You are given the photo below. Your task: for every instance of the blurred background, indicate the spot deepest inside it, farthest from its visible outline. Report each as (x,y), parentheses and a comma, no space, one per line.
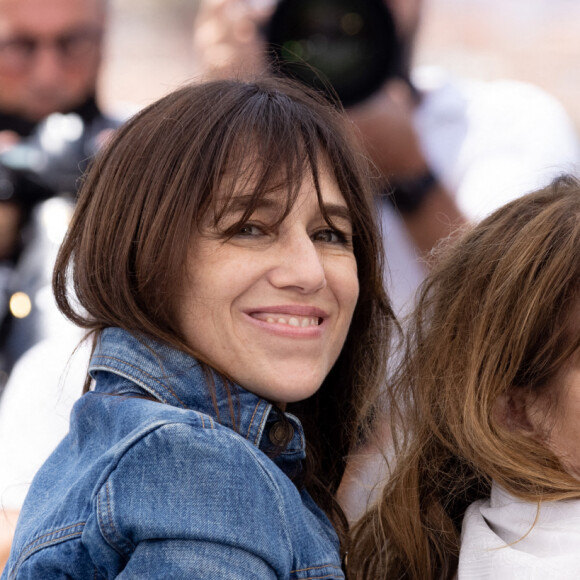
(530,40)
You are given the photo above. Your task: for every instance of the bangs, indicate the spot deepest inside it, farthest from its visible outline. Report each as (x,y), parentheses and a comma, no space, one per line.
(252,141)
(263,171)
(204,156)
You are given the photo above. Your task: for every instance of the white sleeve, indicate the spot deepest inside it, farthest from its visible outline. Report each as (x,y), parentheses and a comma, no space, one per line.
(34,411)
(491,142)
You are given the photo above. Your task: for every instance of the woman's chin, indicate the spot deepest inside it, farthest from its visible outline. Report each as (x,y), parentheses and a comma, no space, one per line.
(283,387)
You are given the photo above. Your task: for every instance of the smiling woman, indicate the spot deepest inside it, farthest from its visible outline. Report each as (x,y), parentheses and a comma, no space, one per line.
(225,258)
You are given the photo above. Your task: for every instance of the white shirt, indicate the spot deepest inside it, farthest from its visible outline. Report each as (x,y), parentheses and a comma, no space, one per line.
(488,143)
(502,539)
(35,409)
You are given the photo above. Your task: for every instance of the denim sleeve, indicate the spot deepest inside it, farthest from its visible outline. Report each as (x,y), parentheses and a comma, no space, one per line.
(196,561)
(197,503)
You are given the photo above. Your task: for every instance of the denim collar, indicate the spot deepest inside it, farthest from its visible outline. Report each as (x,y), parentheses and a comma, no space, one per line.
(175,378)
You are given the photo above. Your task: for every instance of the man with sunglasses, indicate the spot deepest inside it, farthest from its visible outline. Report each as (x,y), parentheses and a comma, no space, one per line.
(50,57)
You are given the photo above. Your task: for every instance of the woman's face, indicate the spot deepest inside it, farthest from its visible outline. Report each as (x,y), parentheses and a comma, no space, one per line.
(271,306)
(555,416)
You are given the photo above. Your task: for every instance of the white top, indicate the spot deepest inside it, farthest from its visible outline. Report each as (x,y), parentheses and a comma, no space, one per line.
(35,409)
(488,143)
(500,540)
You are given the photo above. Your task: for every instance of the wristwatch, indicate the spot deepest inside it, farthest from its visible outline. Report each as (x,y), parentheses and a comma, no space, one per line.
(407,195)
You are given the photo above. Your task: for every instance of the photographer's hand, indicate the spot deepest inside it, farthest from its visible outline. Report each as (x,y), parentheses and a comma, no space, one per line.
(8,139)
(385,126)
(227,39)
(385,123)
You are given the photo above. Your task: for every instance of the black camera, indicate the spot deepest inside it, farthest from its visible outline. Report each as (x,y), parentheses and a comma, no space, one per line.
(41,174)
(51,160)
(345,48)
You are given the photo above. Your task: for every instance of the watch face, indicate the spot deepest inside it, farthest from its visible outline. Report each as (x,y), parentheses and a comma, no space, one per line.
(408,195)
(346,48)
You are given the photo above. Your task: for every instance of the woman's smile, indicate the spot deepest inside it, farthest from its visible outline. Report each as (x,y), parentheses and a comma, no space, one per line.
(286,320)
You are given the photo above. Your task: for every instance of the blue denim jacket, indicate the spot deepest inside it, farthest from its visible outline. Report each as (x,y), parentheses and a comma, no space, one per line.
(165,488)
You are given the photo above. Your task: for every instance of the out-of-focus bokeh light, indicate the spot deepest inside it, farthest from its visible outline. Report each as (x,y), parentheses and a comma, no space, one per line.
(20,305)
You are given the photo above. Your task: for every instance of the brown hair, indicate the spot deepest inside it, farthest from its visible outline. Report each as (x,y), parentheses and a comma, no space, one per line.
(126,248)
(491,318)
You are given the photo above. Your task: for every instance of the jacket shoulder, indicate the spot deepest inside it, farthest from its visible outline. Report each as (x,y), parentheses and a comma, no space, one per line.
(198,482)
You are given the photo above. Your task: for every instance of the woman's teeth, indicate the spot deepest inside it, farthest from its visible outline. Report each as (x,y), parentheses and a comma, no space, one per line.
(299,321)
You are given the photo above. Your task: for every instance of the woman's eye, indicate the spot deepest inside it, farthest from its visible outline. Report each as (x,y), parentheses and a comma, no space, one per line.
(329,236)
(250,230)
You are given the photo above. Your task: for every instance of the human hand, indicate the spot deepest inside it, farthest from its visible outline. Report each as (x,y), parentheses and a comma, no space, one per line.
(387,133)
(7,140)
(227,39)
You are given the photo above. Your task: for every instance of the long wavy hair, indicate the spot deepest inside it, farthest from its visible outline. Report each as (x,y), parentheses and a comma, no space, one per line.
(124,256)
(493,318)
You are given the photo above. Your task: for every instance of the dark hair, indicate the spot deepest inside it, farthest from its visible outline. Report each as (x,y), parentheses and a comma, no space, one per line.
(155,181)
(493,318)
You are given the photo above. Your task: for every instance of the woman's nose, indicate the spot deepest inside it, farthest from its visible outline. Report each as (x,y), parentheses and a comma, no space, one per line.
(299,265)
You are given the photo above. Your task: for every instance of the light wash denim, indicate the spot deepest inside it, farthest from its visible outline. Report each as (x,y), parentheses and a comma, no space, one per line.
(152,482)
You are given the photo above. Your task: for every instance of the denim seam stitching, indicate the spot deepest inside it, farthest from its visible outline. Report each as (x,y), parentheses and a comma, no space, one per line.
(203,417)
(103,524)
(34,546)
(320,577)
(153,378)
(129,377)
(211,423)
(310,568)
(252,420)
(261,429)
(262,421)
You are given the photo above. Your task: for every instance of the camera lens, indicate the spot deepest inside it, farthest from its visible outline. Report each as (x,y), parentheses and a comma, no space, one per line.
(348,47)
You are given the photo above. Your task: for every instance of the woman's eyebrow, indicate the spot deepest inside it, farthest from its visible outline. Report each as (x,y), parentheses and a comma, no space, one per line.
(240,203)
(337,210)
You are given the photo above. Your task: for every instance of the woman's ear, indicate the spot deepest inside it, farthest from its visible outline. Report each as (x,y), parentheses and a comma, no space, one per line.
(516,410)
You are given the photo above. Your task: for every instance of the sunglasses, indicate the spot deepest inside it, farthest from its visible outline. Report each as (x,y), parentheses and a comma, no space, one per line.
(18,53)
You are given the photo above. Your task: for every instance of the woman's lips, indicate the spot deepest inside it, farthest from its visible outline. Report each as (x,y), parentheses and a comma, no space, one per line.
(290,319)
